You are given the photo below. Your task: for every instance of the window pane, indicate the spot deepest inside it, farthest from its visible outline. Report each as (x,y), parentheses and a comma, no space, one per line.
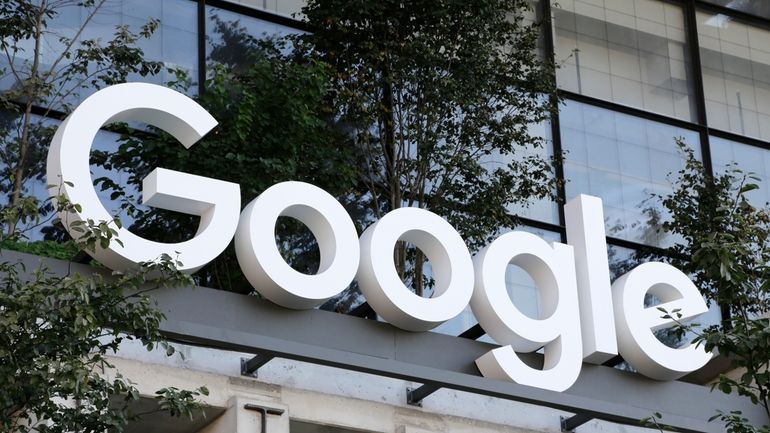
(228,35)
(755,7)
(292,8)
(622,260)
(632,52)
(174,42)
(36,183)
(736,75)
(624,160)
(750,159)
(545,210)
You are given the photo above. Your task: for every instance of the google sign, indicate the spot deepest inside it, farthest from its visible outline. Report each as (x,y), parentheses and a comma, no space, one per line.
(584,318)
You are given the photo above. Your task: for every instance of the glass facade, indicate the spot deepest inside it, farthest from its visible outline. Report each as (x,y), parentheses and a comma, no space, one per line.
(284,7)
(625,161)
(632,83)
(546,209)
(735,58)
(760,8)
(631,52)
(728,155)
(174,43)
(228,34)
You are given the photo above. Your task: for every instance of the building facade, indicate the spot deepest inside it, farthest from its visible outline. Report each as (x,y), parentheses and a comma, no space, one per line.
(635,76)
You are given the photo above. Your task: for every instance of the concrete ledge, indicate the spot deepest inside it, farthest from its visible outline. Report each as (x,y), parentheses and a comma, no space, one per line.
(230,321)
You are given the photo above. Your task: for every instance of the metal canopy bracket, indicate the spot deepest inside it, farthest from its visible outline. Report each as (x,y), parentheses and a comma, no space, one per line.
(415,396)
(575,421)
(249,367)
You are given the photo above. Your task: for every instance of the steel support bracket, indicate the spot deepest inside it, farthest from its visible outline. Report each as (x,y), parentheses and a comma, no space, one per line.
(249,367)
(573,422)
(415,396)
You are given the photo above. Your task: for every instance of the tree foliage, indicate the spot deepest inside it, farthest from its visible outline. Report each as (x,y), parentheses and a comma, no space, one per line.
(383,104)
(725,248)
(438,99)
(58,330)
(44,71)
(274,125)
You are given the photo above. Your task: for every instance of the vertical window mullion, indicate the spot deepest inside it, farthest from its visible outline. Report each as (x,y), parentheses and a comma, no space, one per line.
(550,55)
(201,46)
(700,97)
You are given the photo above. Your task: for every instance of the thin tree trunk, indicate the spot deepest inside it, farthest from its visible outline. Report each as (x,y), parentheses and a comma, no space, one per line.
(21,165)
(419,264)
(392,174)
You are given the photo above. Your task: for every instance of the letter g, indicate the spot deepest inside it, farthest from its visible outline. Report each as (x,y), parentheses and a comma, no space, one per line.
(216,202)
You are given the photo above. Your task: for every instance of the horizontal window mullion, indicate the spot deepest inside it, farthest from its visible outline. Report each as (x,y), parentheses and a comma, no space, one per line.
(614,106)
(757,20)
(259,14)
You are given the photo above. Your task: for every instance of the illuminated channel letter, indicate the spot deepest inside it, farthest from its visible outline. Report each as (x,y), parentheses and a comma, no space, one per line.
(215,201)
(636,323)
(552,267)
(449,258)
(585,233)
(262,262)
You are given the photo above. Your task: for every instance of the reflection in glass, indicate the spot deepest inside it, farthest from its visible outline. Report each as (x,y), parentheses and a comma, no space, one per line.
(755,7)
(230,37)
(545,209)
(736,75)
(631,52)
(622,260)
(174,42)
(727,155)
(624,160)
(36,185)
(292,8)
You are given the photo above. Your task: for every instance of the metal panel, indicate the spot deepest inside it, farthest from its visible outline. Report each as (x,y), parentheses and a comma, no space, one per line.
(246,323)
(231,321)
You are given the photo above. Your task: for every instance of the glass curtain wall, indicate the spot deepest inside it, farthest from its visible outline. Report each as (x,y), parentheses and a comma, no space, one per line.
(735,59)
(174,43)
(290,8)
(631,52)
(629,78)
(760,8)
(729,155)
(626,161)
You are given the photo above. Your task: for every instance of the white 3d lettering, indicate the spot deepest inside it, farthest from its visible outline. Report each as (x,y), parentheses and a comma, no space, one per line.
(583,318)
